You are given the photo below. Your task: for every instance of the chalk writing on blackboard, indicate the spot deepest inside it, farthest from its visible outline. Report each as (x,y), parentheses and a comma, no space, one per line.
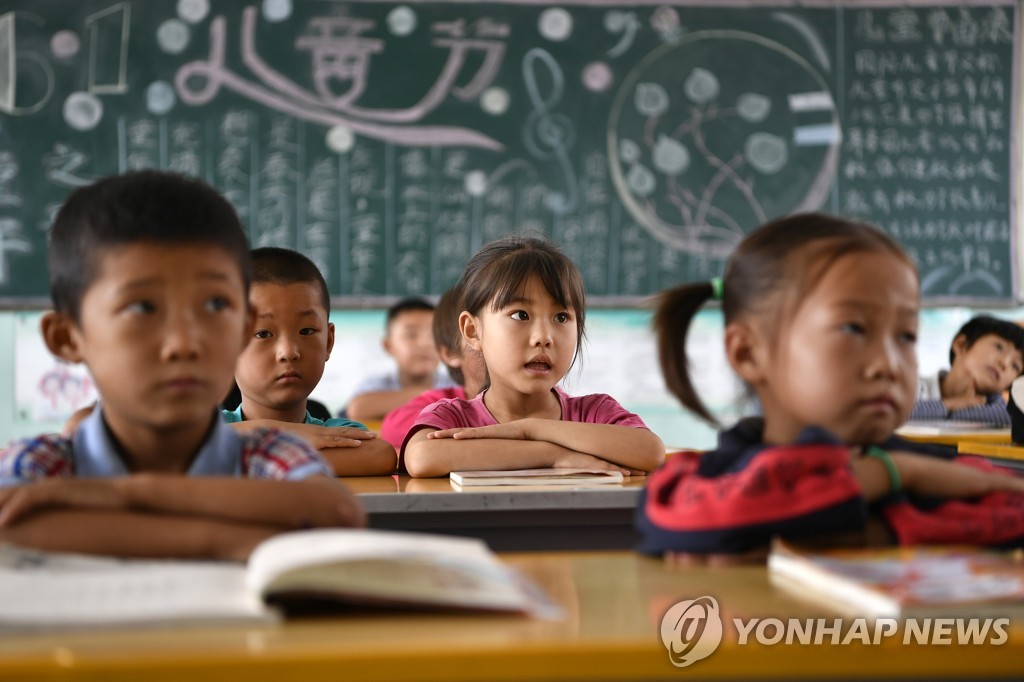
(388,141)
(679,116)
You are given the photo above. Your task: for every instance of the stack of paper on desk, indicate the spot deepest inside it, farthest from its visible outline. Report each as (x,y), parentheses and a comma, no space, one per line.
(940,427)
(524,477)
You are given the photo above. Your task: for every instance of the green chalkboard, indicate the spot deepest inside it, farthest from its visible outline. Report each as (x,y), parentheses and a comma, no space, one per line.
(388,140)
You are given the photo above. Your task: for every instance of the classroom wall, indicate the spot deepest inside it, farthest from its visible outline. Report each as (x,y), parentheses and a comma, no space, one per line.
(619,359)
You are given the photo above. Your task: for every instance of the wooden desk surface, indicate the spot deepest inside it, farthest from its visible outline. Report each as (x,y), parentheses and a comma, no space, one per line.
(403,493)
(998,436)
(613,605)
(508,519)
(997,450)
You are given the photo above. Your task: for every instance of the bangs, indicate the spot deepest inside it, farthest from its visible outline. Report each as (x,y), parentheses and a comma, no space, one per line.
(561,282)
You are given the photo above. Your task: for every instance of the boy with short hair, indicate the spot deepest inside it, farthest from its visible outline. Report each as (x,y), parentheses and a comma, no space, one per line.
(465,366)
(149,274)
(986,355)
(409,340)
(285,359)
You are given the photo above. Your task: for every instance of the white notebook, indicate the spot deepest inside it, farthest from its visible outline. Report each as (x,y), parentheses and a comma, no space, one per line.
(520,477)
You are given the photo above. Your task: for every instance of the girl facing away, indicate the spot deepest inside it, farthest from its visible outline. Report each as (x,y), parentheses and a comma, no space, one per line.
(524,312)
(821,319)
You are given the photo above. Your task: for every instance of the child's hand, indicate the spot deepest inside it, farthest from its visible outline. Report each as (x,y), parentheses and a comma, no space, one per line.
(320,437)
(514,430)
(323,437)
(85,493)
(939,478)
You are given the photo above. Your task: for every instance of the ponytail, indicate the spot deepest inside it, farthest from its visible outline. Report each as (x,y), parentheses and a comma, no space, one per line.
(672,317)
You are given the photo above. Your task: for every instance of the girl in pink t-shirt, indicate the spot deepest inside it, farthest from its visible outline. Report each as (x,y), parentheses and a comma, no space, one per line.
(523,310)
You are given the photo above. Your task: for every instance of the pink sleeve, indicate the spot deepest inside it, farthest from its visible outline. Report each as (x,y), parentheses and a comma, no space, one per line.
(604,409)
(398,422)
(444,414)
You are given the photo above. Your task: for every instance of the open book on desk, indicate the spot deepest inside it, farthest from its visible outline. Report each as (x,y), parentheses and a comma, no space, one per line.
(304,569)
(902,582)
(536,477)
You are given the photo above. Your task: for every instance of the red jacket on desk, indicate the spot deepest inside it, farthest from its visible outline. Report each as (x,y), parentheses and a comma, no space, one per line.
(737,497)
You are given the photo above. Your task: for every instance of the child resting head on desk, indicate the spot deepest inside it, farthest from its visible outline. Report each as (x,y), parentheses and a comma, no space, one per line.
(150,275)
(285,359)
(821,318)
(465,366)
(986,355)
(524,310)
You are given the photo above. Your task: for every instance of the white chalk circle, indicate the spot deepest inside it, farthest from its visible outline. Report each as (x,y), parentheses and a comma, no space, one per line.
(340,139)
(701,86)
(629,151)
(277,10)
(495,101)
(766,152)
(650,99)
(401,21)
(753,107)
(476,183)
(172,36)
(665,21)
(65,44)
(641,180)
(597,77)
(193,11)
(160,97)
(82,110)
(670,156)
(555,24)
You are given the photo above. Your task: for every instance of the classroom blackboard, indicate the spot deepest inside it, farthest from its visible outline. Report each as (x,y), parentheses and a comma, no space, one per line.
(390,140)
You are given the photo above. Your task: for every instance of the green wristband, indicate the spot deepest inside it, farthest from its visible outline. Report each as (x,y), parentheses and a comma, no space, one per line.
(895,483)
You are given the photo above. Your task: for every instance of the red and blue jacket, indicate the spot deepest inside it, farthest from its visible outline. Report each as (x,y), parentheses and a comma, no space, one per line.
(737,497)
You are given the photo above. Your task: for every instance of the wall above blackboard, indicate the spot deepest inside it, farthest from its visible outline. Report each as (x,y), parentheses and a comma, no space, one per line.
(389,140)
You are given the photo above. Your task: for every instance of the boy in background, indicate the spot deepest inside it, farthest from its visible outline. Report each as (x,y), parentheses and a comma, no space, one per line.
(465,367)
(285,359)
(410,341)
(986,356)
(150,274)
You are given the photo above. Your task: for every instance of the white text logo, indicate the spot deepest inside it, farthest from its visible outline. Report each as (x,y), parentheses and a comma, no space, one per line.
(691,630)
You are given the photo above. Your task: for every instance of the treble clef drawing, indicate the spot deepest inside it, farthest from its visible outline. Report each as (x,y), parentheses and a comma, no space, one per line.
(548,134)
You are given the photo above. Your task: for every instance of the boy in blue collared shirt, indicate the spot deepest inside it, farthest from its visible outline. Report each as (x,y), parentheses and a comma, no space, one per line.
(149,274)
(285,359)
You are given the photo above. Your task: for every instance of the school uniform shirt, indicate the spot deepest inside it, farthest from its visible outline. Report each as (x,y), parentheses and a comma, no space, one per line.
(457,413)
(235,416)
(737,497)
(398,421)
(929,405)
(91,453)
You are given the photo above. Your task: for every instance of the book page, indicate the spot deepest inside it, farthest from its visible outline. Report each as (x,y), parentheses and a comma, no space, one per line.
(365,566)
(54,590)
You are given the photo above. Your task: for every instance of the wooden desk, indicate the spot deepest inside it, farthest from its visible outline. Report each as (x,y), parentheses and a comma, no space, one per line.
(999,436)
(610,631)
(1004,454)
(555,518)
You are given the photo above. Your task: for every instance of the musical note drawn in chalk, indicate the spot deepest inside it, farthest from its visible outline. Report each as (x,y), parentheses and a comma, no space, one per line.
(548,134)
